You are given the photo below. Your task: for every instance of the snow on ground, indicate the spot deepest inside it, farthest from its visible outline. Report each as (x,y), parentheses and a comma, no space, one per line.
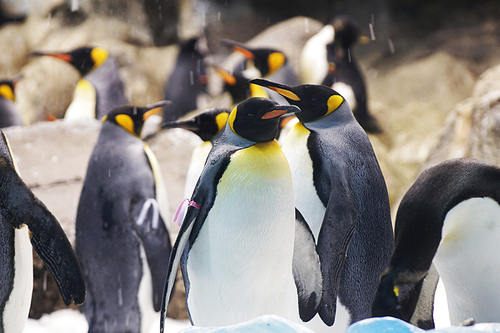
(72,321)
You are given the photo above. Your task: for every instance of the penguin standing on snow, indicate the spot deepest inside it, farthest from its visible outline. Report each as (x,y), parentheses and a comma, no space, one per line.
(121,238)
(341,192)
(207,125)
(100,89)
(9,113)
(236,242)
(450,217)
(23,218)
(187,84)
(344,74)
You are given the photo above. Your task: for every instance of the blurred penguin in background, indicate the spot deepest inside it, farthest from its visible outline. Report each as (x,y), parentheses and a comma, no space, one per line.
(187,85)
(9,112)
(100,89)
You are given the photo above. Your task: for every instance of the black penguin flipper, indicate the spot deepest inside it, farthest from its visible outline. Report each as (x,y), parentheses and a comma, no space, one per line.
(155,240)
(334,238)
(47,236)
(175,257)
(306,269)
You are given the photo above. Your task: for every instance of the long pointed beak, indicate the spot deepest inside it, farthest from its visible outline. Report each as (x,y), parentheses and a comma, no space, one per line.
(63,56)
(155,108)
(189,125)
(282,89)
(239,47)
(280,110)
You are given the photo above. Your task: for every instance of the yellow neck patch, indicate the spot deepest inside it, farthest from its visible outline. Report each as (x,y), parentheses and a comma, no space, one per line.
(276,60)
(6,92)
(221,120)
(126,122)
(99,56)
(333,103)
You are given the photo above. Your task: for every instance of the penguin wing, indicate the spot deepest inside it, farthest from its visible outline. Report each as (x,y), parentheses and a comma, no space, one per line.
(306,269)
(334,237)
(155,240)
(20,206)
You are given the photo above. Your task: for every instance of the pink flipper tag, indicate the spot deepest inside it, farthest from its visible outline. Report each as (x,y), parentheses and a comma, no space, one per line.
(180,213)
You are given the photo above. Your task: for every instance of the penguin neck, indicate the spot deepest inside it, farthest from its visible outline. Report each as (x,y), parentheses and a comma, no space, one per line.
(229,137)
(116,131)
(341,116)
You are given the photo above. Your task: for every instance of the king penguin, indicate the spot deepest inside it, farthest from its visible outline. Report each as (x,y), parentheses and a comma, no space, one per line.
(236,242)
(341,192)
(344,74)
(23,218)
(100,89)
(187,85)
(207,125)
(121,239)
(450,219)
(9,113)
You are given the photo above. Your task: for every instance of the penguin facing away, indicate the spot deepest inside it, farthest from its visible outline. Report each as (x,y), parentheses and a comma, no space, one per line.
(340,190)
(9,113)
(24,219)
(344,74)
(313,61)
(188,82)
(207,125)
(121,238)
(450,217)
(100,89)
(236,242)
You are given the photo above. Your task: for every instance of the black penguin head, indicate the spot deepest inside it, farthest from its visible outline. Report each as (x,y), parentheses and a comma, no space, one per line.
(256,119)
(132,118)
(314,101)
(347,31)
(206,125)
(266,60)
(84,59)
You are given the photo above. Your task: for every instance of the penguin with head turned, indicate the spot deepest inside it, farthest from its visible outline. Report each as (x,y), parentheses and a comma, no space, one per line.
(207,125)
(100,89)
(121,239)
(9,113)
(449,218)
(24,219)
(341,192)
(187,84)
(236,242)
(344,74)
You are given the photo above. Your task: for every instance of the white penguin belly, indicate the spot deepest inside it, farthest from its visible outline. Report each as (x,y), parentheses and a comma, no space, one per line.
(17,307)
(145,296)
(198,158)
(306,196)
(467,261)
(240,265)
(84,102)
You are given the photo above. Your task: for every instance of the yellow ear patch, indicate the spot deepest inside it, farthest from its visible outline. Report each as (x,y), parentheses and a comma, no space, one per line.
(285,93)
(258,91)
(396,291)
(6,92)
(276,60)
(333,103)
(99,56)
(221,120)
(231,118)
(126,122)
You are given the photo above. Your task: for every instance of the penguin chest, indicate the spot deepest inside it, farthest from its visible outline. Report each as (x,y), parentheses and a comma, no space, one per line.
(84,102)
(306,197)
(467,262)
(240,265)
(17,307)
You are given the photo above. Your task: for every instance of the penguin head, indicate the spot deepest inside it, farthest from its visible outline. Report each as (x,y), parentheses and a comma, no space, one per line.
(84,59)
(256,119)
(132,118)
(206,125)
(314,101)
(266,60)
(347,31)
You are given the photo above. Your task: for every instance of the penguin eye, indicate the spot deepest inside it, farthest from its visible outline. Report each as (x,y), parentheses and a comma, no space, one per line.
(251,115)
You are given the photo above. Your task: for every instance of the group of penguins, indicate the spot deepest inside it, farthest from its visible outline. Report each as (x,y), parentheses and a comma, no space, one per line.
(300,229)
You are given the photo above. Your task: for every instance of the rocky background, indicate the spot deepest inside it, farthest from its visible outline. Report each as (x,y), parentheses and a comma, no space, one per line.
(432,71)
